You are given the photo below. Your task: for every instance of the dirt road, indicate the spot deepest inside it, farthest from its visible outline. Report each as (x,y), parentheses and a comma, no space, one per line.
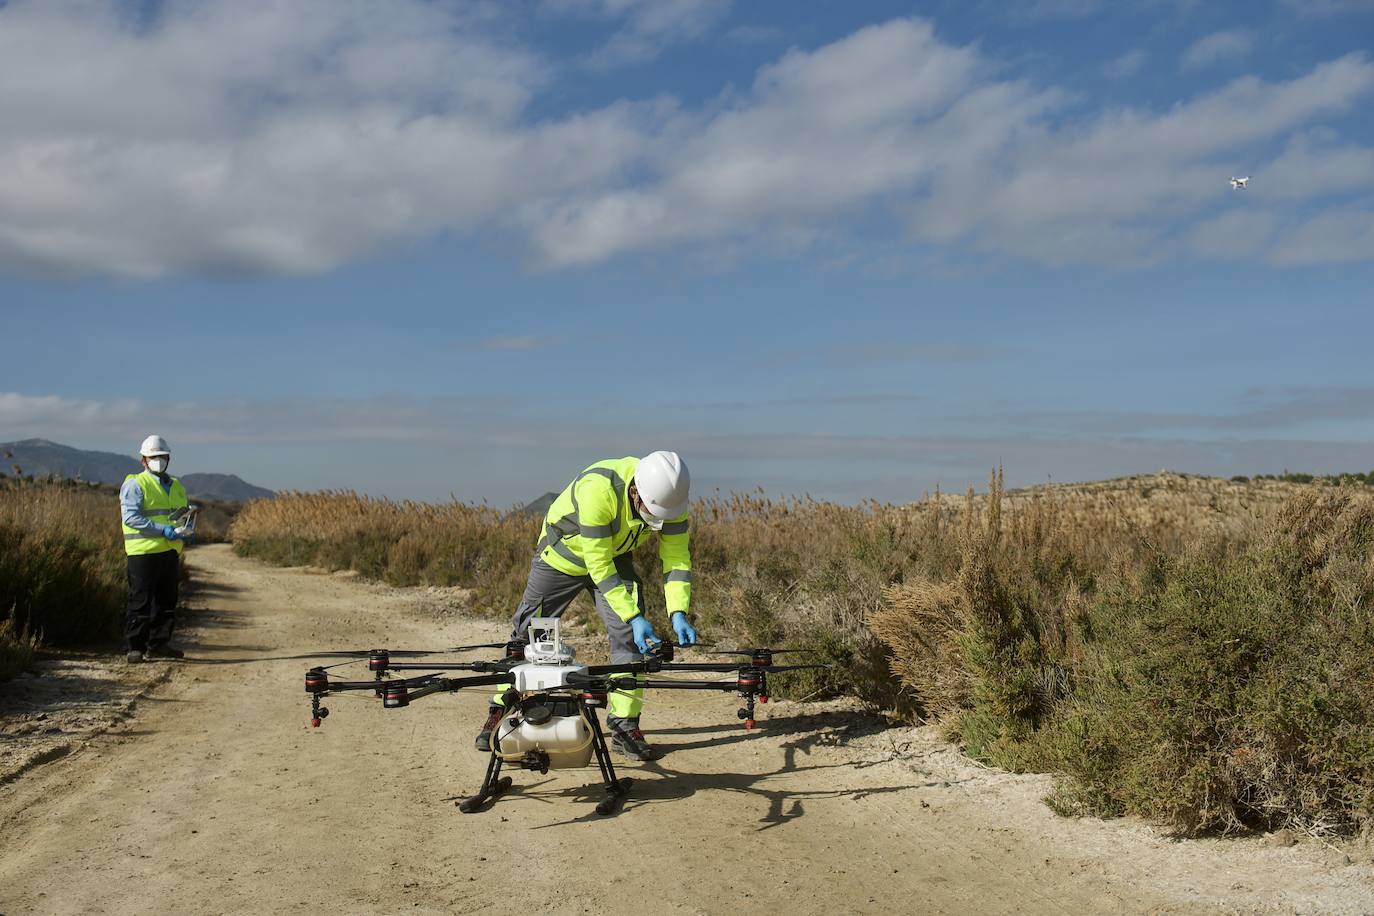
(214,796)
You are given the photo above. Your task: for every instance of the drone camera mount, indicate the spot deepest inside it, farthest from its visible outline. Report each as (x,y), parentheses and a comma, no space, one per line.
(546,643)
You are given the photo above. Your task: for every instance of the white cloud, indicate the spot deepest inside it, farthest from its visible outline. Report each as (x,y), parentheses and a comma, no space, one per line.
(276,422)
(646,26)
(1314,165)
(1115,188)
(1341,234)
(821,132)
(1127,64)
(270,135)
(336,443)
(290,136)
(1242,233)
(1218,47)
(522,343)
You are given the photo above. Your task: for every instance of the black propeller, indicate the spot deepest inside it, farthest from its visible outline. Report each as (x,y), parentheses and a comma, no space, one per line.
(762,658)
(395,653)
(756,651)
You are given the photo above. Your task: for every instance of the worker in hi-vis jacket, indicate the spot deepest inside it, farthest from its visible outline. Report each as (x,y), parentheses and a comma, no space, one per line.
(585,545)
(153,546)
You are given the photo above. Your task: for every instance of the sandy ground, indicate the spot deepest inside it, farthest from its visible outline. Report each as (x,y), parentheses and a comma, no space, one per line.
(198,787)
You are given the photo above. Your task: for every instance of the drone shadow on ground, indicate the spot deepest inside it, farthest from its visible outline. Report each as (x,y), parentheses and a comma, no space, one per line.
(784,805)
(835,727)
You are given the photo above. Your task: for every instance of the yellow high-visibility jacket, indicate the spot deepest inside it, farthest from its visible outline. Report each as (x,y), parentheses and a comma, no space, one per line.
(593,521)
(158,506)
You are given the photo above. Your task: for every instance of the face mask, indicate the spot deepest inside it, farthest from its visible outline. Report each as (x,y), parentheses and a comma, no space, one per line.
(649,520)
(157,465)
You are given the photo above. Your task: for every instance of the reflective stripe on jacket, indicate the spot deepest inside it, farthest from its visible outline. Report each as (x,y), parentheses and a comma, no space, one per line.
(158,506)
(593,521)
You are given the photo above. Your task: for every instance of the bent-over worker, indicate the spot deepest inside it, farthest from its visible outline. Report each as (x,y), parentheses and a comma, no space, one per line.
(588,536)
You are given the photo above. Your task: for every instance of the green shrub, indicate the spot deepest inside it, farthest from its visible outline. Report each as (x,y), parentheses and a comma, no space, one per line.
(1222,689)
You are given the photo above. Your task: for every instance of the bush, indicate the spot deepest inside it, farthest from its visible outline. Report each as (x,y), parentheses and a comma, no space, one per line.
(62,569)
(1223,688)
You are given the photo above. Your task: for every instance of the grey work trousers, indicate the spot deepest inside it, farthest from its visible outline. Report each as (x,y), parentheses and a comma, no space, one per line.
(549,591)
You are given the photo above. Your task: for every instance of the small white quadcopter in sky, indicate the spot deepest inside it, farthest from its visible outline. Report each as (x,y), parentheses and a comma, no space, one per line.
(1239,183)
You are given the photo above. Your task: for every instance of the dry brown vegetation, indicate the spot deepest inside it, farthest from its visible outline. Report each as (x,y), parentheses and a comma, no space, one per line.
(1209,671)
(62,567)
(1184,648)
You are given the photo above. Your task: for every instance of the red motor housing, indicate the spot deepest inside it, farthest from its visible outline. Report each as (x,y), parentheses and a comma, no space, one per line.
(395,696)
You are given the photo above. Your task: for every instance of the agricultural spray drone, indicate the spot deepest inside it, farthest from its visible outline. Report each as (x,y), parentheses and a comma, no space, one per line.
(551,700)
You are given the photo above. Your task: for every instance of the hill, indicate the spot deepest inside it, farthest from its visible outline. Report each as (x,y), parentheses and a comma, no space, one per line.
(539,506)
(42,458)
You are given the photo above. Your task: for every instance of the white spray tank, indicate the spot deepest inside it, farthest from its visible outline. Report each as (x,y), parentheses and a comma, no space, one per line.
(556,726)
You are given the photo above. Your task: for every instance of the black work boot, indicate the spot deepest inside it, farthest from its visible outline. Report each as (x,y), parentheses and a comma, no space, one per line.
(164,651)
(483,741)
(631,743)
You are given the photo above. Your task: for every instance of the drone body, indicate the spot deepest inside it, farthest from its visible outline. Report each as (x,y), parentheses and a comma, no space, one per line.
(550,700)
(1239,184)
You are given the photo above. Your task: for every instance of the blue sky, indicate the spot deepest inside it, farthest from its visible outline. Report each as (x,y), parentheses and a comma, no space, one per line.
(430,247)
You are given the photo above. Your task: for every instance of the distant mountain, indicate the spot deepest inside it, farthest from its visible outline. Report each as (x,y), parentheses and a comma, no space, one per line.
(222,486)
(541,505)
(41,458)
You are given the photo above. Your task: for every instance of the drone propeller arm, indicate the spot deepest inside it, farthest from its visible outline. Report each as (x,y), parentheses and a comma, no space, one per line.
(447,666)
(318,682)
(454,684)
(333,686)
(485,680)
(648,666)
(669,684)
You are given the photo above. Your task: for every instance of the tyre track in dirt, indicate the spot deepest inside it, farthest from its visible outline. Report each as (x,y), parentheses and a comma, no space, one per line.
(216,796)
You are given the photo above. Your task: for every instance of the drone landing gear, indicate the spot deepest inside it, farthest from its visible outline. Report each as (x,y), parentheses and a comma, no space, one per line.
(616,788)
(493,786)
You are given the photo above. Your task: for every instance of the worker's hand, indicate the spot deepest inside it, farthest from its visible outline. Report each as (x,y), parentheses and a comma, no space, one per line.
(170,533)
(686,633)
(644,633)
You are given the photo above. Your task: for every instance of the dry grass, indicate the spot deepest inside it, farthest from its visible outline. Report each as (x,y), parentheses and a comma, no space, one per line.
(61,561)
(1188,649)
(768,571)
(403,543)
(1204,670)
(62,566)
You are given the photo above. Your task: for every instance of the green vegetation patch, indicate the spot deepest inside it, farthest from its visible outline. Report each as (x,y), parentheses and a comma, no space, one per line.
(1221,689)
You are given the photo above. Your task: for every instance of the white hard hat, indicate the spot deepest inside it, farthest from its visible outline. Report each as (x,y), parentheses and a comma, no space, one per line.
(153,446)
(662,481)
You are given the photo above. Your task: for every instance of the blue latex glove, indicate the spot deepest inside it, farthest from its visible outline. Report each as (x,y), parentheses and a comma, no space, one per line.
(170,533)
(644,632)
(686,633)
